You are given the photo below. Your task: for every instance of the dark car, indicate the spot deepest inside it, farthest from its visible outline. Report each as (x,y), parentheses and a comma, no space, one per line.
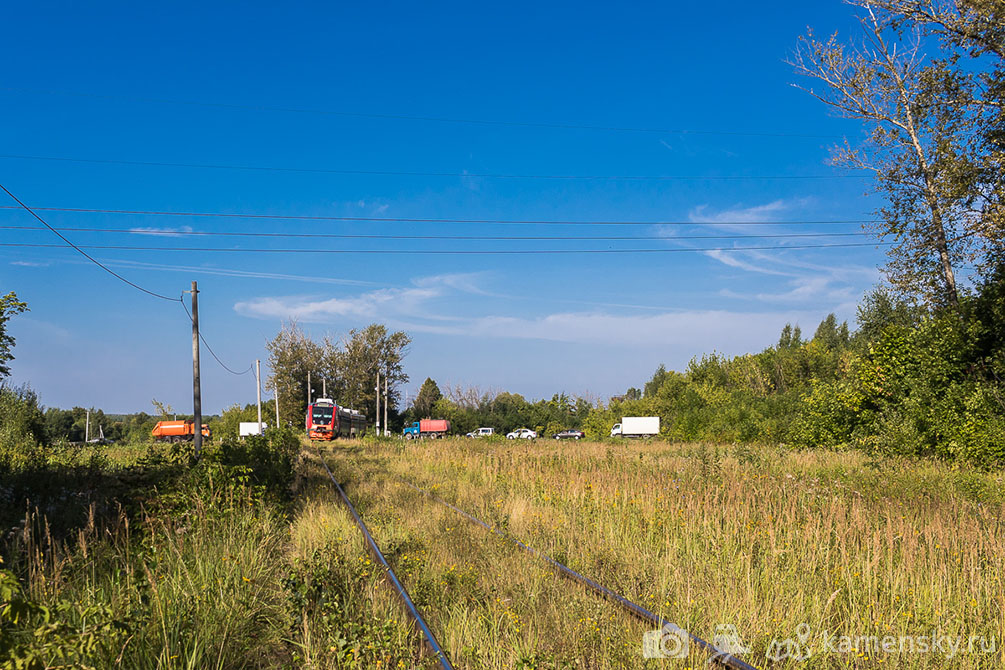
(570,435)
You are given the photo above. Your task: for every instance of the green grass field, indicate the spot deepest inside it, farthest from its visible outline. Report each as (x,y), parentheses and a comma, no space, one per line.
(233,564)
(759,538)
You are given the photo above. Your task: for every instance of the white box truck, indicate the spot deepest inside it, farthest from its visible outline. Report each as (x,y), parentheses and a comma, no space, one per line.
(637,426)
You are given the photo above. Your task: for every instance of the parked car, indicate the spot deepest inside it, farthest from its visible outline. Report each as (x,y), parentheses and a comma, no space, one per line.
(482,432)
(522,434)
(570,434)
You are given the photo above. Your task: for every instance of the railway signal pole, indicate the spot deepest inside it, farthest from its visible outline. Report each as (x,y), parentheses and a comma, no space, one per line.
(196,380)
(276,389)
(258,390)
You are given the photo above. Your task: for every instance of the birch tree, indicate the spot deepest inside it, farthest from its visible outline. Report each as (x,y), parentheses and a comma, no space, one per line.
(928,142)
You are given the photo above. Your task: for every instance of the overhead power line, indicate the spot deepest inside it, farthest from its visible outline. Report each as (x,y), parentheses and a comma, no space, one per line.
(398,219)
(419,173)
(414,117)
(210,349)
(136,286)
(499,238)
(82,252)
(452,251)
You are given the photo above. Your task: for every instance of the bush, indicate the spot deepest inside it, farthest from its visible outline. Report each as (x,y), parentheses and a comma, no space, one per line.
(269,458)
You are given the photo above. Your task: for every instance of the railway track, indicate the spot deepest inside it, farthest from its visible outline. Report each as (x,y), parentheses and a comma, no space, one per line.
(717,656)
(429,641)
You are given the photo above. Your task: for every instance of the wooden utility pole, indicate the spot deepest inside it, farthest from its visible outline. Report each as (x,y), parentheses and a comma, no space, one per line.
(196,381)
(87,427)
(276,389)
(385,404)
(258,390)
(377,418)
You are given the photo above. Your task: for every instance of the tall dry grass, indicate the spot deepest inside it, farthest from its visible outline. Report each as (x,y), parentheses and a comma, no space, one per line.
(759,538)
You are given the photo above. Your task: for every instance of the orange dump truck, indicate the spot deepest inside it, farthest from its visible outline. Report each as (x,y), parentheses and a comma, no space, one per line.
(177,431)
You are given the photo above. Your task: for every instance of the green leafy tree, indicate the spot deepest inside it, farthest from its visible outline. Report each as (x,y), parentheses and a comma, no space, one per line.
(363,354)
(969,75)
(428,394)
(164,410)
(924,148)
(879,309)
(22,422)
(654,384)
(228,423)
(291,355)
(785,339)
(830,334)
(9,306)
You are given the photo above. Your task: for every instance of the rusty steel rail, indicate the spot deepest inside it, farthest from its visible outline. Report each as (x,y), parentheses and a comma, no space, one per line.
(716,655)
(428,640)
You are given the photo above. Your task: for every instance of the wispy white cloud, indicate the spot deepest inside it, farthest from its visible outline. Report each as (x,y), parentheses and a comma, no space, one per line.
(465,282)
(752,214)
(698,330)
(734,259)
(162,232)
(845,271)
(32,264)
(806,282)
(421,308)
(407,301)
(819,290)
(368,305)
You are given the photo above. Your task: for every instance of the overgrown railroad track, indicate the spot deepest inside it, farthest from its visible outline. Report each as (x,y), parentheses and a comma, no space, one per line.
(717,656)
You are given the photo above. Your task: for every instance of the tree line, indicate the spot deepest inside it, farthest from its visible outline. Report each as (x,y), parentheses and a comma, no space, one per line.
(346,368)
(468,409)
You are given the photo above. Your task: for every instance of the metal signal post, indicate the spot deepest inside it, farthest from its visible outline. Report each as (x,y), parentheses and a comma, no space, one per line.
(258,390)
(276,389)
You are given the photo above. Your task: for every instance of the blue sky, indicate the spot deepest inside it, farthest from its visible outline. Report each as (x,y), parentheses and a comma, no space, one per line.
(323,87)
